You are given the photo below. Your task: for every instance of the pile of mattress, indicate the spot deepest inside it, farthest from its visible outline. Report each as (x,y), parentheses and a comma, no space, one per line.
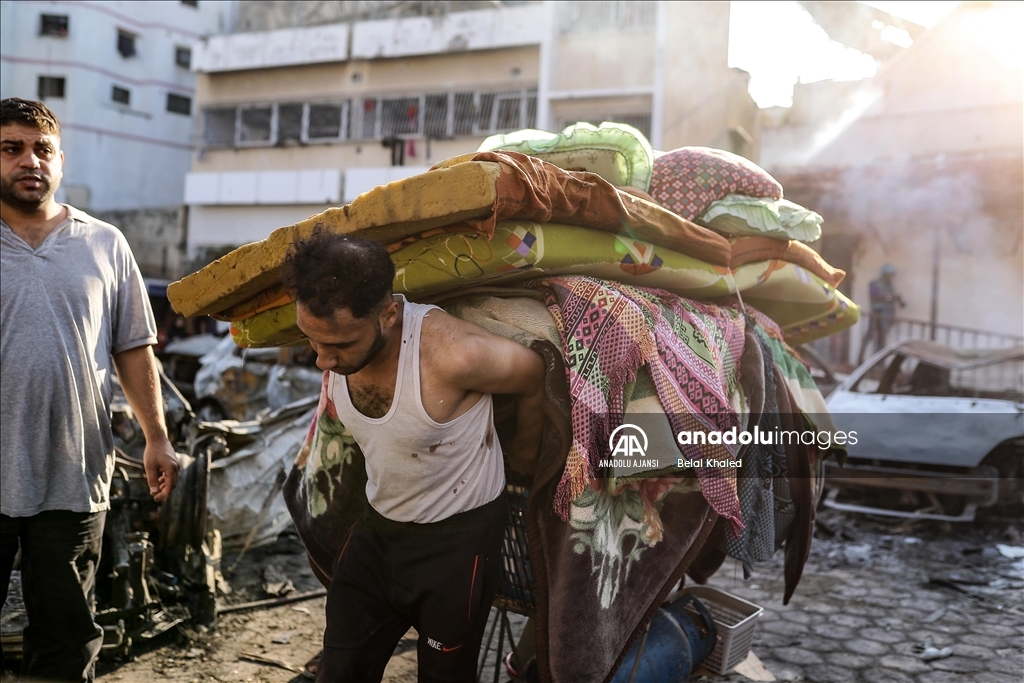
(700,223)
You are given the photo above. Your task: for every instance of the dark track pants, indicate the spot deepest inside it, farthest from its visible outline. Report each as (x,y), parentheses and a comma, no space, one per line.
(60,551)
(440,578)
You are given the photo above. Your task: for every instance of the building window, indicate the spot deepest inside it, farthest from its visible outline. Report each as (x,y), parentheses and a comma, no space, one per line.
(53,25)
(289,123)
(179,104)
(255,126)
(399,116)
(464,116)
(51,87)
(219,127)
(438,115)
(121,95)
(190,3)
(126,44)
(183,57)
(327,122)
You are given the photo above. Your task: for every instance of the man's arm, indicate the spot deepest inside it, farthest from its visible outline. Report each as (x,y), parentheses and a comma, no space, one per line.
(140,381)
(491,364)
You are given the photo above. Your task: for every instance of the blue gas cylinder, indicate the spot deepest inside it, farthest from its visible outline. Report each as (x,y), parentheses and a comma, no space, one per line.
(675,642)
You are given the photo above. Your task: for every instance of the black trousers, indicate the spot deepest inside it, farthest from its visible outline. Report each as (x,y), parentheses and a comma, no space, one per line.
(60,551)
(439,578)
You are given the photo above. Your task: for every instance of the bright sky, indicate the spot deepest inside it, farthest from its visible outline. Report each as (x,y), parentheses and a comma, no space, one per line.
(780,45)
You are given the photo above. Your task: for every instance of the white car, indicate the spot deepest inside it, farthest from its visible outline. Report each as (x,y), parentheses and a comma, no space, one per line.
(935,424)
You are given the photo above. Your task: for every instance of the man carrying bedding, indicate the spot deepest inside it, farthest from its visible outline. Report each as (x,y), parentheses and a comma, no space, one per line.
(73,308)
(413,386)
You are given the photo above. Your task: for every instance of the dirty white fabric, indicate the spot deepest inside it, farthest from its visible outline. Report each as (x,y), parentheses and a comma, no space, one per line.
(65,307)
(419,470)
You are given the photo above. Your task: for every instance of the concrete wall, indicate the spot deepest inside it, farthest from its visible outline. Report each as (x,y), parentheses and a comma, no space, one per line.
(340,79)
(591,67)
(969,206)
(704,98)
(118,156)
(604,61)
(156,236)
(213,226)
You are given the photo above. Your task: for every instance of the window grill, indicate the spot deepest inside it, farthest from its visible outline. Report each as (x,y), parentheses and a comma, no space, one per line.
(50,86)
(219,127)
(399,116)
(179,104)
(255,126)
(126,44)
(289,123)
(327,122)
(121,95)
(368,129)
(436,115)
(464,114)
(372,117)
(183,57)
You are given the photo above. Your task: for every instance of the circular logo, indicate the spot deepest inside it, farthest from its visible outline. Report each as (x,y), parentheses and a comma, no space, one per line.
(627,442)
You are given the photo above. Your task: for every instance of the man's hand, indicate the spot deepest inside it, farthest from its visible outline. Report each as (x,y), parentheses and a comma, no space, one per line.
(161,468)
(140,381)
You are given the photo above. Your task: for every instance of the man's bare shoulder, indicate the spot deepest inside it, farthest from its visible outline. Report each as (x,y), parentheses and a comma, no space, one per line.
(445,334)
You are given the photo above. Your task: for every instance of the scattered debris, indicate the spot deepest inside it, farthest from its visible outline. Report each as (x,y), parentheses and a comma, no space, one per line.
(283,638)
(275,582)
(932,653)
(273,602)
(304,610)
(279,663)
(968,579)
(753,669)
(934,616)
(1010,551)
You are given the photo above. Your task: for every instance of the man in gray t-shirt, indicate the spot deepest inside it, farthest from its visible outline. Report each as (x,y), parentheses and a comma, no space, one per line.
(73,310)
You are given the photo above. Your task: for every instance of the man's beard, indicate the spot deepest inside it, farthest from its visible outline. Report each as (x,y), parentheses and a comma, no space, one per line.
(379,342)
(16,198)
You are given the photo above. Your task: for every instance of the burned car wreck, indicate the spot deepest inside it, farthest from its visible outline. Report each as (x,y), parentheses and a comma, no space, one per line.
(940,432)
(160,564)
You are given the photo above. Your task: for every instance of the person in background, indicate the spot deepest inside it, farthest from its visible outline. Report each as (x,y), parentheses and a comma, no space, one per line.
(73,309)
(884,300)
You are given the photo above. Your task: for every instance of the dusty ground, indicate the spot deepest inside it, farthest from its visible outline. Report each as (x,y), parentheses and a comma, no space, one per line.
(873,592)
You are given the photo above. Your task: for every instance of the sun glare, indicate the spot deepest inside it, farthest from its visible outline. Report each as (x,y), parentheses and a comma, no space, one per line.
(780,45)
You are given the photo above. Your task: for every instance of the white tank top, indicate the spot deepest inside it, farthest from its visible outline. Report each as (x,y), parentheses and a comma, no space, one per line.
(419,470)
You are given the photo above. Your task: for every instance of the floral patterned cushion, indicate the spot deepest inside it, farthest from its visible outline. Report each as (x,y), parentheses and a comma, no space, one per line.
(687,180)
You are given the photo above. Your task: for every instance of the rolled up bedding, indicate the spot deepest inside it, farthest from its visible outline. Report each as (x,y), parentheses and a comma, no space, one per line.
(477,195)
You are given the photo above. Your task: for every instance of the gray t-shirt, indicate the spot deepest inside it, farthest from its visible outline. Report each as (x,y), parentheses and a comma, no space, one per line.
(65,307)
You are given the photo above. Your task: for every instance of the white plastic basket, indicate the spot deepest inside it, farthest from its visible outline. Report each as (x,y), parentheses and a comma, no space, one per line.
(735,619)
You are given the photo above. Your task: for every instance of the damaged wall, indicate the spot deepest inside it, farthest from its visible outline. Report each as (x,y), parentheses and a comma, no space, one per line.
(921,162)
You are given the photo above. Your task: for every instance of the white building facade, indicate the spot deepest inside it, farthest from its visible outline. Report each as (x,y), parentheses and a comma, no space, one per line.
(119,77)
(294,119)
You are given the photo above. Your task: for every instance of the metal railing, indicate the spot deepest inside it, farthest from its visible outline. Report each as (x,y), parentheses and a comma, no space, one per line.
(844,349)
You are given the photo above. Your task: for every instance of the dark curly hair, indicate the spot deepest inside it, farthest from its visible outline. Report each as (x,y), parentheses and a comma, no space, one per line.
(15,111)
(332,272)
